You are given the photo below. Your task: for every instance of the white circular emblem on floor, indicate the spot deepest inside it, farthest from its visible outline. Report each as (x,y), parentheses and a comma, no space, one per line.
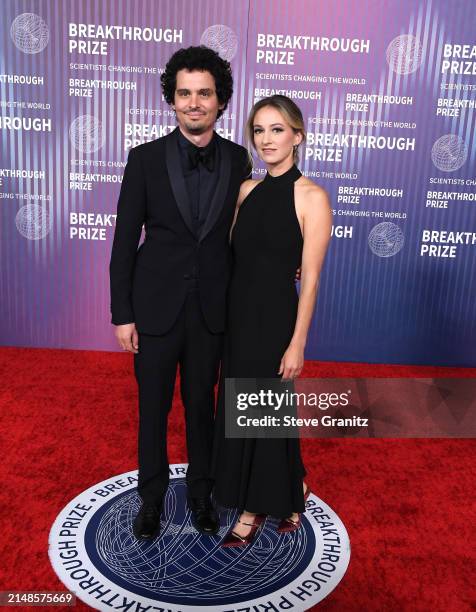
(95,554)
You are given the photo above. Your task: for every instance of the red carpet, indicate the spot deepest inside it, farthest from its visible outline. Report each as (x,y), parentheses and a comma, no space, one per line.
(69,420)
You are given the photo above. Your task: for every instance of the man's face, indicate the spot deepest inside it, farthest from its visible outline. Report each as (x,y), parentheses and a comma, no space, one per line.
(195,101)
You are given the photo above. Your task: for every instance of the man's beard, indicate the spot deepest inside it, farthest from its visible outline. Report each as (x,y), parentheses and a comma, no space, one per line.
(194,128)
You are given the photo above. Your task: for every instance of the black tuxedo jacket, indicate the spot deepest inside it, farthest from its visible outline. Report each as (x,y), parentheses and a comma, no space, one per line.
(149,285)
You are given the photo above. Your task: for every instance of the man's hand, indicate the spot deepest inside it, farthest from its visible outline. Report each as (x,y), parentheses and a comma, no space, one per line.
(128,337)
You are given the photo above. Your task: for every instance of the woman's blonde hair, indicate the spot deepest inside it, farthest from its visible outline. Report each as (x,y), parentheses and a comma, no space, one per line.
(288,109)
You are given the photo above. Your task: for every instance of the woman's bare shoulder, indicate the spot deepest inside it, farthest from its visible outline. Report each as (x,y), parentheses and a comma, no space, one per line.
(246,188)
(309,191)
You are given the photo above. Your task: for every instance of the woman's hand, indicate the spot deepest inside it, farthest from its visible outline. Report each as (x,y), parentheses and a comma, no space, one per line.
(292,362)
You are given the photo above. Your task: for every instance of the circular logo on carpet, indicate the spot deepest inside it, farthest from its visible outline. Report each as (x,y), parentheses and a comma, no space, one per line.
(95,554)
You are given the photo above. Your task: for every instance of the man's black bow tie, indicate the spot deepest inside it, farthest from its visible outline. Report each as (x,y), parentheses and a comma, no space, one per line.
(203,156)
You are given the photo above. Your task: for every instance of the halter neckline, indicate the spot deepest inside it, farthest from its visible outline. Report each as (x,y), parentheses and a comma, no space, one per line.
(290,175)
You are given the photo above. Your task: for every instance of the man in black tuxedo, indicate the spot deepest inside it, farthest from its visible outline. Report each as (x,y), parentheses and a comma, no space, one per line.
(168,297)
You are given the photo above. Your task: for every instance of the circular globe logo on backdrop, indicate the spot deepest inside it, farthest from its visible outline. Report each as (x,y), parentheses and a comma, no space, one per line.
(86,134)
(404,54)
(95,554)
(221,39)
(386,239)
(449,152)
(29,33)
(33,221)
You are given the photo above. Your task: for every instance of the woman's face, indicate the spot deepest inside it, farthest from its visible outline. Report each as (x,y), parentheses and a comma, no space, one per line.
(274,138)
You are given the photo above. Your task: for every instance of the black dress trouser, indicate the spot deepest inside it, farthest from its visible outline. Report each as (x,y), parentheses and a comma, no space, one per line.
(190,344)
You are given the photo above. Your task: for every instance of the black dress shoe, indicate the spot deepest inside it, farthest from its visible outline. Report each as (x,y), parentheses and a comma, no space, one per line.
(146,524)
(204,516)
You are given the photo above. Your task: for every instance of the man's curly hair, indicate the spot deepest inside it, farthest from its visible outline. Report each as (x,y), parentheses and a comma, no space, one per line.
(198,58)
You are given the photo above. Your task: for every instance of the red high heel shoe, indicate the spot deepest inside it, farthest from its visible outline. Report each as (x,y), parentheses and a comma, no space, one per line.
(288,524)
(234,539)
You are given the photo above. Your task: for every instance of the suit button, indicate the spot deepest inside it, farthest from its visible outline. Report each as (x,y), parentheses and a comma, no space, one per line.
(186,276)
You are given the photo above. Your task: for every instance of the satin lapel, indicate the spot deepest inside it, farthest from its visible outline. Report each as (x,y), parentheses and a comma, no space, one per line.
(174,169)
(218,199)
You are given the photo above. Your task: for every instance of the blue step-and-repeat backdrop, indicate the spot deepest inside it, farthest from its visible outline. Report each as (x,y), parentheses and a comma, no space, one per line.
(388,92)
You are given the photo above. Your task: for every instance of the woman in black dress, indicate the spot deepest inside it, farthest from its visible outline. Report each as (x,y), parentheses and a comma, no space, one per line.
(282,223)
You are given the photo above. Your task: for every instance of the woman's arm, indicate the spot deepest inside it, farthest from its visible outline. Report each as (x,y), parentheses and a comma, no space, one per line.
(313,208)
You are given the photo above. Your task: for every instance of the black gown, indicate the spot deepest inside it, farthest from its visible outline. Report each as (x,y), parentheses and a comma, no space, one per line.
(261,475)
